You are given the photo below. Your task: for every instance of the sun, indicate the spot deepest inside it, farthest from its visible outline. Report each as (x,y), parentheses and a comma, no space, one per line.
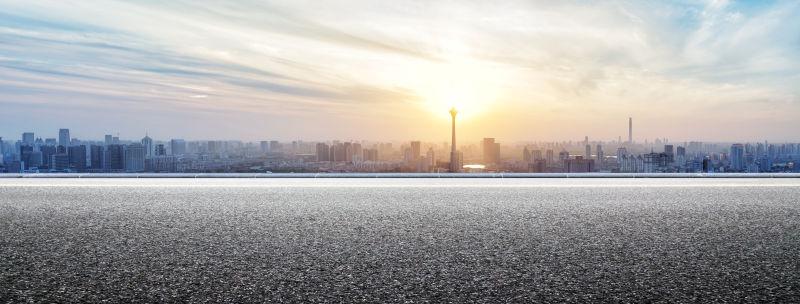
(469,87)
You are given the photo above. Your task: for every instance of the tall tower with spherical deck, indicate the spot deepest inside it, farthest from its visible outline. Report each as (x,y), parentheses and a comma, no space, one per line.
(453,154)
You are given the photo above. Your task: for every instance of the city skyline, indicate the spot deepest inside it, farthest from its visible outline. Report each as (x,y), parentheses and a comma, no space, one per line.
(685,70)
(67,154)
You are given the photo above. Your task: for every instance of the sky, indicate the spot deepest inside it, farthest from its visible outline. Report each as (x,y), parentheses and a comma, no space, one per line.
(390,70)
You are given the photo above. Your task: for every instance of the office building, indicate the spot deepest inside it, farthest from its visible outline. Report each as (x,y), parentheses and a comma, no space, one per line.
(63,137)
(134,158)
(491,151)
(77,158)
(47,155)
(599,158)
(177,147)
(737,163)
(630,130)
(579,164)
(160,150)
(323,151)
(147,143)
(115,158)
(60,162)
(97,157)
(25,152)
(27,138)
(526,155)
(416,150)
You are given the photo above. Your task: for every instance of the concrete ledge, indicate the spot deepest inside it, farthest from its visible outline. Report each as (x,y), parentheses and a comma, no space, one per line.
(399,175)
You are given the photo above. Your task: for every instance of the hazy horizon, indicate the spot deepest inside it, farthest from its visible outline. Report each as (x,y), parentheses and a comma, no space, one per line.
(722,71)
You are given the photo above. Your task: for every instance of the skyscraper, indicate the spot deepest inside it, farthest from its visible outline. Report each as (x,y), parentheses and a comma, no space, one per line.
(77,157)
(416,150)
(737,157)
(177,146)
(27,138)
(109,140)
(160,150)
(47,155)
(25,152)
(491,151)
(63,137)
(670,152)
(630,130)
(588,152)
(134,158)
(323,152)
(526,155)
(115,158)
(98,157)
(147,142)
(430,157)
(455,159)
(600,156)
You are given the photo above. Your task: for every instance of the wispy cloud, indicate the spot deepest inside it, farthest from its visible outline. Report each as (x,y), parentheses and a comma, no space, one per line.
(326,68)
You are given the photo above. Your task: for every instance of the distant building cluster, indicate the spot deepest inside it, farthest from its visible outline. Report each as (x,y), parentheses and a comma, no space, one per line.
(33,154)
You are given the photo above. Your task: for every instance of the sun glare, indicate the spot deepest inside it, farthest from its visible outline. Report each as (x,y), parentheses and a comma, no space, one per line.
(468,86)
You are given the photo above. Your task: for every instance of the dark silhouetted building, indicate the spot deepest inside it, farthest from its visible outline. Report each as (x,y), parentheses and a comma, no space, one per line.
(77,158)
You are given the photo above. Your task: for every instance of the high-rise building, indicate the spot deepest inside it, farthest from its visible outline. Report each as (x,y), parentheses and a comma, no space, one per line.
(588,154)
(526,155)
(536,155)
(371,154)
(147,143)
(430,157)
(98,157)
(77,157)
(134,158)
(681,151)
(161,163)
(109,140)
(177,146)
(600,156)
(670,151)
(63,137)
(630,130)
(160,150)
(25,152)
(416,150)
(348,152)
(264,146)
(47,155)
(115,157)
(60,162)
(579,164)
(491,151)
(323,152)
(563,155)
(358,152)
(27,138)
(737,157)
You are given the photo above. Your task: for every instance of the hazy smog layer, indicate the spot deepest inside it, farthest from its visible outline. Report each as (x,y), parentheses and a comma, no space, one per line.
(400,240)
